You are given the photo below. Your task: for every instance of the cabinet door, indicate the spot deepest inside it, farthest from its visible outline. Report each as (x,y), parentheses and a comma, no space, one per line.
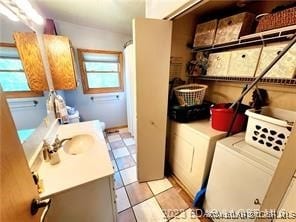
(152,47)
(60,61)
(28,49)
(182,155)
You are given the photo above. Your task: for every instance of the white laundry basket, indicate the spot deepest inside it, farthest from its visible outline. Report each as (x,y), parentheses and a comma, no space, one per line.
(269,129)
(190,94)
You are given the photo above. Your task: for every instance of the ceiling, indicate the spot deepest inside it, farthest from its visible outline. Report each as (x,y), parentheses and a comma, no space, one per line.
(112,15)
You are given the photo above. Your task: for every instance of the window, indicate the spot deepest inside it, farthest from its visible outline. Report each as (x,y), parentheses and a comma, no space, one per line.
(101,71)
(12,76)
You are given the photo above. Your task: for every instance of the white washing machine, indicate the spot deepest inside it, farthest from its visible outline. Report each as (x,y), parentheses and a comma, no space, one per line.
(239,178)
(288,204)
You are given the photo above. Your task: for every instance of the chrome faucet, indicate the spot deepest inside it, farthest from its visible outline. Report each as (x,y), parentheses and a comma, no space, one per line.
(59,143)
(50,153)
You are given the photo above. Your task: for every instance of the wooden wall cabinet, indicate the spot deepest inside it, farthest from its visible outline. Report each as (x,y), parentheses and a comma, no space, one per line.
(28,49)
(191,151)
(60,60)
(61,63)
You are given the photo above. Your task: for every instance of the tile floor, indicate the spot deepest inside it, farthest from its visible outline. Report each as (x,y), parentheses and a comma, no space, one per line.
(154,201)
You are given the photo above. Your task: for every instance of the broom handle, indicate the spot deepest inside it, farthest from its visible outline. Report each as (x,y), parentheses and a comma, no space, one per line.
(279,56)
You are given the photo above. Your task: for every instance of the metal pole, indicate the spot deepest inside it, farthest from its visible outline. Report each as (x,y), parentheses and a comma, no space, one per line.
(282,53)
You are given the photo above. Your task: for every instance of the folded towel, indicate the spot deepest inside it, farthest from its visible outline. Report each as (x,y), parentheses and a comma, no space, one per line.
(70,110)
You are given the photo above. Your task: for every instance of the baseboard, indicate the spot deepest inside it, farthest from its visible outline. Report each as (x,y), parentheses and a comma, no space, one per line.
(115,128)
(182,186)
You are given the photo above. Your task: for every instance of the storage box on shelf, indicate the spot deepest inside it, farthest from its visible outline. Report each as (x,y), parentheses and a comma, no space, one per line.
(235,63)
(221,65)
(275,20)
(243,62)
(218,63)
(231,28)
(269,129)
(205,33)
(284,68)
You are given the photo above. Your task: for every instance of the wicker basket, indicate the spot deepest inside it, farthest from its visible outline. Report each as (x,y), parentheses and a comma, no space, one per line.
(191,94)
(276,20)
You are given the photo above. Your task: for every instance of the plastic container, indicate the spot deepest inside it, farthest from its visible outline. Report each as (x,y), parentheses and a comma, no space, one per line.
(190,94)
(269,129)
(222,117)
(74,118)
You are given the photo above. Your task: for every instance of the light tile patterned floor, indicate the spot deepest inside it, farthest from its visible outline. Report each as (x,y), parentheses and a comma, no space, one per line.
(148,211)
(158,186)
(129,175)
(144,202)
(122,199)
(121,152)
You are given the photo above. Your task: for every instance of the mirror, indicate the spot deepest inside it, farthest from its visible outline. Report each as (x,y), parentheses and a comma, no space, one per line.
(28,108)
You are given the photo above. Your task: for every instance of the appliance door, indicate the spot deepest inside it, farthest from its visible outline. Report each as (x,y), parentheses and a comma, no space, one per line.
(236,183)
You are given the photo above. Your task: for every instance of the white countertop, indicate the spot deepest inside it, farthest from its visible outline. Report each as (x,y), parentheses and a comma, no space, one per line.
(75,170)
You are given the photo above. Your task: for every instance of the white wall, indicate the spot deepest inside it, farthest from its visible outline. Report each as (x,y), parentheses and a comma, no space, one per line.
(160,9)
(30,117)
(112,112)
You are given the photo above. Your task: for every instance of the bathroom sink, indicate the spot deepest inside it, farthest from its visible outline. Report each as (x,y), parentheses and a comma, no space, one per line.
(78,144)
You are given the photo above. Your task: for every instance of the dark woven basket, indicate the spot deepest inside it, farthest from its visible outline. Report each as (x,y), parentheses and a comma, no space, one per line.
(276,20)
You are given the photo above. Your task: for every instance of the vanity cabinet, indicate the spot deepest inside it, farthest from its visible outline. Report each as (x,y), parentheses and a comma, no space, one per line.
(93,201)
(191,151)
(81,186)
(60,59)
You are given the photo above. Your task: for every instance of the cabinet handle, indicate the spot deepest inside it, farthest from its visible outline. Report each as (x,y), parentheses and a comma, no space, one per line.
(257,201)
(37,204)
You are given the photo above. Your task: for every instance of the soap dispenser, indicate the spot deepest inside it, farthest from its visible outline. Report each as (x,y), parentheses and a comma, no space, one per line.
(45,150)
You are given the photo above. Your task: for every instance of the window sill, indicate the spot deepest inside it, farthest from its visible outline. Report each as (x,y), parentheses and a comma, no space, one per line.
(102,90)
(23,94)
